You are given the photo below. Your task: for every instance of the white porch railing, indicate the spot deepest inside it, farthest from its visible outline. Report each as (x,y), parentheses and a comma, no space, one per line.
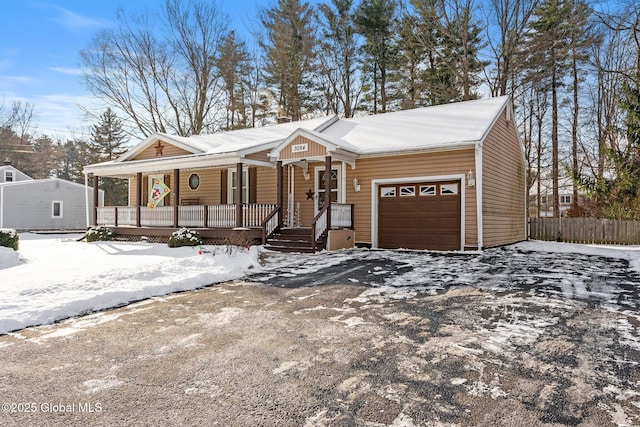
(218,216)
(191,216)
(255,214)
(221,216)
(106,215)
(272,224)
(320,224)
(341,215)
(162,216)
(126,215)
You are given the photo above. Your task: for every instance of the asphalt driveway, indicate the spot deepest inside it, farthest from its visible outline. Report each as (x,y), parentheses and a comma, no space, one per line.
(355,338)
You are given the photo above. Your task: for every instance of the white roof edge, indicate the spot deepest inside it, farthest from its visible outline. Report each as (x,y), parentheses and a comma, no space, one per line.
(445,147)
(38,181)
(152,165)
(506,102)
(506,105)
(317,137)
(149,140)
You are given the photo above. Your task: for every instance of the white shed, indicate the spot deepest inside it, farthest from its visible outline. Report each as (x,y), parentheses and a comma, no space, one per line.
(43,204)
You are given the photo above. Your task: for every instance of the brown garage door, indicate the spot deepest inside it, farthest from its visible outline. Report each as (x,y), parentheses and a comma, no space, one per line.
(424,215)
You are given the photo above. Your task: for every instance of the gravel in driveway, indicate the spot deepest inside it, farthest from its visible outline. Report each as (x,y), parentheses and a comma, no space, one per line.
(355,338)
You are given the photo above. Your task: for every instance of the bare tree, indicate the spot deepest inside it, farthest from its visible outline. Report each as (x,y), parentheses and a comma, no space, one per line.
(511,19)
(162,79)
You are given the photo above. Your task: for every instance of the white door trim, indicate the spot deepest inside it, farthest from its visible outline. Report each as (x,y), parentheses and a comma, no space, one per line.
(375,189)
(341,184)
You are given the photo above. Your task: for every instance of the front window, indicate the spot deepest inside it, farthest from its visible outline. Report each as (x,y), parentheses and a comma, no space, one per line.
(565,200)
(448,189)
(56,209)
(233,187)
(8,176)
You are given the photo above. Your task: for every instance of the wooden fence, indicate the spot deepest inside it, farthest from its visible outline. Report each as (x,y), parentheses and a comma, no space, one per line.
(585,230)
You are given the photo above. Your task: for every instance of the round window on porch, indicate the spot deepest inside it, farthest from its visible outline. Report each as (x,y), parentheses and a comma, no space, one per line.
(194,181)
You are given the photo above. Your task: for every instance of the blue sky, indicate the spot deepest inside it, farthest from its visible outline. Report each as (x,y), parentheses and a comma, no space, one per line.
(40,43)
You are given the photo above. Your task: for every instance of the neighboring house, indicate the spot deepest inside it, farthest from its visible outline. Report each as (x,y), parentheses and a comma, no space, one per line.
(565,192)
(42,204)
(447,177)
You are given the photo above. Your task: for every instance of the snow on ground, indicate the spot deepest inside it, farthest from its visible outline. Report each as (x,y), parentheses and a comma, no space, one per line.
(53,277)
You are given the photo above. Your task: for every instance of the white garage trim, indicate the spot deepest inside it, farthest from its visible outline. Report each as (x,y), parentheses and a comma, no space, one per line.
(376,183)
(480,219)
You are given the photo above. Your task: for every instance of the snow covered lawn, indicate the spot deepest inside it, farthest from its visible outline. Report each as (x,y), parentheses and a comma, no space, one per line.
(53,277)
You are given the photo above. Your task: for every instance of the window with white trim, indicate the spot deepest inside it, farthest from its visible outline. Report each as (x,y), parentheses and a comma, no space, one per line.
(56,209)
(448,189)
(407,191)
(565,200)
(8,176)
(388,192)
(233,188)
(427,190)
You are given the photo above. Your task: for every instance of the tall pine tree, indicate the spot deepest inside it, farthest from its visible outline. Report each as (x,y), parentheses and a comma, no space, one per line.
(546,55)
(289,47)
(376,21)
(108,142)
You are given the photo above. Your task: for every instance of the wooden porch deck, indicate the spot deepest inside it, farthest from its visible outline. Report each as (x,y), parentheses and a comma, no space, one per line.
(216,224)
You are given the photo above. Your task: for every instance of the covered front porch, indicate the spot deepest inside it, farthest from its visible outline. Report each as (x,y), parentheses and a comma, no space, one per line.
(219,223)
(256,192)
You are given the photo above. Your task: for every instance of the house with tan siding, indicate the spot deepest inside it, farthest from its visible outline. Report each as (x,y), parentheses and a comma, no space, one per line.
(447,177)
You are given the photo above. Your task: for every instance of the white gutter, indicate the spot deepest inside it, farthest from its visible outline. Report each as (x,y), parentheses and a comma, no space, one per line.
(478,153)
(86,198)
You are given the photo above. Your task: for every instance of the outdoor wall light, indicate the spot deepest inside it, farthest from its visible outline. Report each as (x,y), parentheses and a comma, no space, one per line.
(356,184)
(305,170)
(471,179)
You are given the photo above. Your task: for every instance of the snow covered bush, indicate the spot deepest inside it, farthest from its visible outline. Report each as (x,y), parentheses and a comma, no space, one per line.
(101,234)
(9,238)
(184,237)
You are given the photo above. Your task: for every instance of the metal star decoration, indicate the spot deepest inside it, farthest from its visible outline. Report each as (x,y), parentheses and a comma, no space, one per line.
(309,194)
(158,148)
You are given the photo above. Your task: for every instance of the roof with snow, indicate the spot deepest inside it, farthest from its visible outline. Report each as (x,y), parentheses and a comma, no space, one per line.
(421,128)
(445,126)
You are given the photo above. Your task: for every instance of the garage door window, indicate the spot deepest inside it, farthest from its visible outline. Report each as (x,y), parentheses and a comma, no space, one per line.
(388,192)
(407,191)
(427,190)
(448,189)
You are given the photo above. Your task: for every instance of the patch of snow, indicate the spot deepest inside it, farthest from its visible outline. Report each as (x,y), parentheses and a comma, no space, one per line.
(61,277)
(9,258)
(94,386)
(630,253)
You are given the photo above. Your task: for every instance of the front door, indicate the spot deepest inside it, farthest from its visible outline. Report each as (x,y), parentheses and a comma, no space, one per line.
(320,190)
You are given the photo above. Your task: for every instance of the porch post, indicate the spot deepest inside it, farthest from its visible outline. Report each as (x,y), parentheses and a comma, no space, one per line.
(239,219)
(176,196)
(138,197)
(327,188)
(280,196)
(95,200)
